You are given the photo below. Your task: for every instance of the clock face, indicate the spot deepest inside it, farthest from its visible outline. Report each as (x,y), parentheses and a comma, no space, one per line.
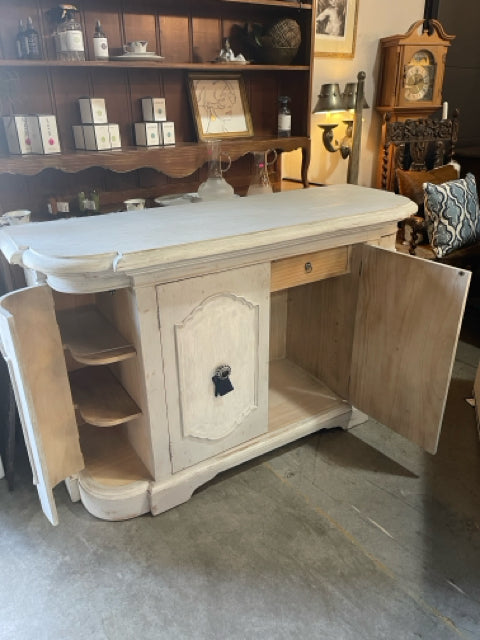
(419,75)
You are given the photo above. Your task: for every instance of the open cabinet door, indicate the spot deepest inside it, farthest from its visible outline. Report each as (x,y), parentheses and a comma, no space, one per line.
(408,318)
(33,350)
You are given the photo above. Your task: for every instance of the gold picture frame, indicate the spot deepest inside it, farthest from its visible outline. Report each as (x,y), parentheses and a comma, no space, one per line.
(219,105)
(336,27)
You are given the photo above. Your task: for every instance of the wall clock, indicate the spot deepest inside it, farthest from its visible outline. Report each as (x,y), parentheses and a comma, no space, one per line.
(412,68)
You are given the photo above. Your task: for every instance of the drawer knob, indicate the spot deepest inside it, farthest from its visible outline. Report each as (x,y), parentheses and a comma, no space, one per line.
(308,267)
(221,380)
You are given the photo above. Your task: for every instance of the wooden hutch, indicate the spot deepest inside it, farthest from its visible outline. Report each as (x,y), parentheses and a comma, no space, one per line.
(188,34)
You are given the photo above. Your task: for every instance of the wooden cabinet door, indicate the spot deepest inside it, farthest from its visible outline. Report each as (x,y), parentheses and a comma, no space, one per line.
(33,350)
(408,318)
(206,322)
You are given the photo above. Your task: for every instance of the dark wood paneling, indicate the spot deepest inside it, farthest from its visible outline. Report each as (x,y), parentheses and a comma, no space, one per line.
(207,39)
(175,39)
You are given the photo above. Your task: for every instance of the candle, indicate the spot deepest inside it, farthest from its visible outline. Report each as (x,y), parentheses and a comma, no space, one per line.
(445,111)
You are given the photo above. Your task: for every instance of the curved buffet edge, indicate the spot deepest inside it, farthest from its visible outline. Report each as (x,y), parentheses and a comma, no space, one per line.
(87,255)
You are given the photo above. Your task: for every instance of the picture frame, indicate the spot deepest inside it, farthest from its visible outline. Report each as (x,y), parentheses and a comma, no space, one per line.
(336,28)
(219,105)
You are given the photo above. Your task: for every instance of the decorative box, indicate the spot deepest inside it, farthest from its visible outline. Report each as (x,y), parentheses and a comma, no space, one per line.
(44,133)
(168,132)
(78,136)
(146,134)
(115,140)
(93,110)
(96,137)
(18,136)
(153,109)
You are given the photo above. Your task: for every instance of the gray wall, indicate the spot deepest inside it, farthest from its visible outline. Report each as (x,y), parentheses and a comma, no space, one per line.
(462,76)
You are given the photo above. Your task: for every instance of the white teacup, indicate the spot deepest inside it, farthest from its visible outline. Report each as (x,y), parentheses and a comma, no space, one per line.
(136,46)
(19,216)
(134,204)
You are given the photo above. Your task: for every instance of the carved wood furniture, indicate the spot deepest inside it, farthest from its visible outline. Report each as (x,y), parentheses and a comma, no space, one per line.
(412,67)
(417,146)
(299,292)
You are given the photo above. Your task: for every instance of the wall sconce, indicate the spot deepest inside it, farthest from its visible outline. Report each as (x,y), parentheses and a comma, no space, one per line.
(330,99)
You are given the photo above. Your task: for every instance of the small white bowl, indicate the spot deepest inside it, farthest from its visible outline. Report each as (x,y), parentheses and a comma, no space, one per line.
(19,216)
(134,204)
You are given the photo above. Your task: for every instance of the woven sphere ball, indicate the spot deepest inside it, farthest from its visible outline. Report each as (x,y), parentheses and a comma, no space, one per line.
(285,33)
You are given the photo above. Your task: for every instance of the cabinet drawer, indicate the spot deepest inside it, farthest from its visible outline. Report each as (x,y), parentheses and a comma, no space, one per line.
(309,267)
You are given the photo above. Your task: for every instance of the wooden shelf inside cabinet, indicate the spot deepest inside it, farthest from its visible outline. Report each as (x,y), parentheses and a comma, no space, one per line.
(177,161)
(90,338)
(297,398)
(149,64)
(100,399)
(109,458)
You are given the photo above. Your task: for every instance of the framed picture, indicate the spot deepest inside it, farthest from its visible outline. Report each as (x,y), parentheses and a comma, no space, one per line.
(336,27)
(219,105)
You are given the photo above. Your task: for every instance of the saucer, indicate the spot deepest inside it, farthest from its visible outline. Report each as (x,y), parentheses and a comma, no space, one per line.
(146,55)
(140,53)
(232,62)
(177,198)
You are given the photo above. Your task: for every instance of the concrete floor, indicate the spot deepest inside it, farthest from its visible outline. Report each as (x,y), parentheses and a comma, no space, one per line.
(340,536)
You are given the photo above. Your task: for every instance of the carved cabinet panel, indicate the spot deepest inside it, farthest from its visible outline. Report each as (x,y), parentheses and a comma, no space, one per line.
(209,322)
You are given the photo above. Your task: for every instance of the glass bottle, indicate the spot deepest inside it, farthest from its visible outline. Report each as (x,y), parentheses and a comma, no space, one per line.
(34,49)
(100,43)
(69,44)
(82,200)
(260,181)
(216,187)
(94,201)
(284,117)
(21,42)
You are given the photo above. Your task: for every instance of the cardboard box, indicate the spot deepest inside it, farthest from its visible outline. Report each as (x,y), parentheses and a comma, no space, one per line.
(17,133)
(146,134)
(93,110)
(78,136)
(115,140)
(44,134)
(168,132)
(153,109)
(97,137)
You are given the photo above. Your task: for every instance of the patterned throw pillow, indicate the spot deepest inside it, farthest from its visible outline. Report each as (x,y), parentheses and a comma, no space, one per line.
(453,214)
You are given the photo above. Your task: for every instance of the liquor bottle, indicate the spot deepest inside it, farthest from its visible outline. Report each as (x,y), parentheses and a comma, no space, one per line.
(100,43)
(21,42)
(32,41)
(284,117)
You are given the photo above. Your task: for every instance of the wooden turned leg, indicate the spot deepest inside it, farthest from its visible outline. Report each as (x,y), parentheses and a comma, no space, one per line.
(305,163)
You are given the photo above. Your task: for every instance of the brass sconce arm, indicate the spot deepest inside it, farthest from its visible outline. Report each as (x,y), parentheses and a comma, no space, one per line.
(330,143)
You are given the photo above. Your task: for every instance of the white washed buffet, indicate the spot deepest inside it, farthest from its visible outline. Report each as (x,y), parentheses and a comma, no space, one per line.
(113,347)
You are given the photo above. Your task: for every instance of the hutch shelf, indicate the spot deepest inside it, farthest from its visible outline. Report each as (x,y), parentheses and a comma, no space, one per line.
(188,35)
